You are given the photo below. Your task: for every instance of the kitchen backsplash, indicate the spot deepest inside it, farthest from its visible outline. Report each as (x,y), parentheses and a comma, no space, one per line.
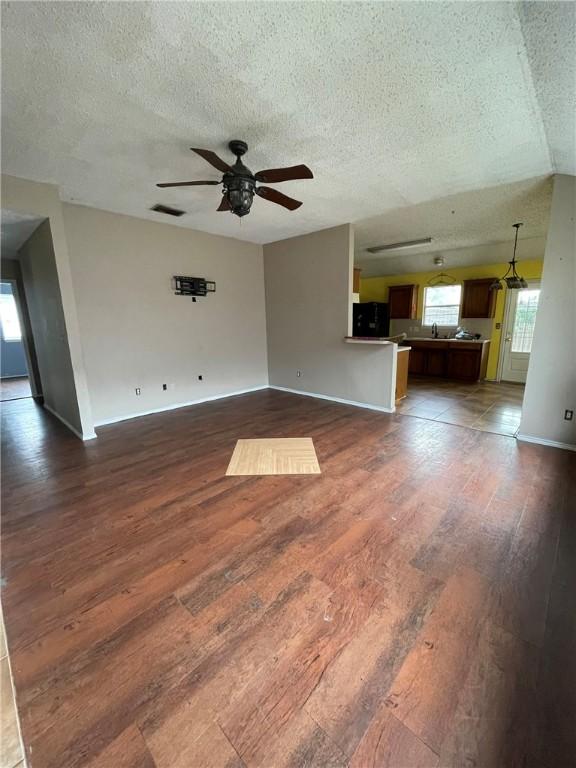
(414,328)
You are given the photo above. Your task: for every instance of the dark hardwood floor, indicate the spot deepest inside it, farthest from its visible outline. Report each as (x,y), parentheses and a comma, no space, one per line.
(413,605)
(15,388)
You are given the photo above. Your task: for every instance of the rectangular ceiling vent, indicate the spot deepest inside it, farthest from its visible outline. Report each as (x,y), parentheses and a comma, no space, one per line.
(167,210)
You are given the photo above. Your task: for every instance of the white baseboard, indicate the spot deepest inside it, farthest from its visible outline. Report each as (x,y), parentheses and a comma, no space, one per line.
(89,436)
(543,441)
(173,407)
(355,403)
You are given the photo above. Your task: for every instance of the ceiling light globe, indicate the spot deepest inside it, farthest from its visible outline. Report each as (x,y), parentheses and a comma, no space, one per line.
(240,201)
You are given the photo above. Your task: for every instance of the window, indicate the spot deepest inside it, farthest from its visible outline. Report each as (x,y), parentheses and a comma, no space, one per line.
(525,320)
(9,321)
(442,304)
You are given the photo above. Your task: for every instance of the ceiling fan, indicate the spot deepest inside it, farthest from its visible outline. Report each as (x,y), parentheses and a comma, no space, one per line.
(240,183)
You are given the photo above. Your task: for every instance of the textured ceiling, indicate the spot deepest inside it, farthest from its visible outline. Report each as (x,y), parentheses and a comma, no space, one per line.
(16,229)
(469,228)
(390,104)
(470,256)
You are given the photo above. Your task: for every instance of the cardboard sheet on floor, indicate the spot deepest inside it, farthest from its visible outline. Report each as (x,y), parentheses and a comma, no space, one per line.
(274,456)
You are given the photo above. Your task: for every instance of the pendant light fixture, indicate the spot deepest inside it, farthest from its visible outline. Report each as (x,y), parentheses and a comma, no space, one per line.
(511,278)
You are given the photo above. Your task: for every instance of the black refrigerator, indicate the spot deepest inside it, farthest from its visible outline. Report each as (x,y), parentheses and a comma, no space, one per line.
(370,318)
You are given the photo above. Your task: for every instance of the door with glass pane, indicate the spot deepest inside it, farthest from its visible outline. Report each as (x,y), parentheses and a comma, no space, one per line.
(518,332)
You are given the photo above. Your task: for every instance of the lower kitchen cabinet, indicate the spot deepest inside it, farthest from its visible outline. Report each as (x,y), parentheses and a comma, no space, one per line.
(461,360)
(402,373)
(437,362)
(417,361)
(464,364)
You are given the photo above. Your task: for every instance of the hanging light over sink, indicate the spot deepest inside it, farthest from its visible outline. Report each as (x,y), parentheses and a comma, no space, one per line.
(511,278)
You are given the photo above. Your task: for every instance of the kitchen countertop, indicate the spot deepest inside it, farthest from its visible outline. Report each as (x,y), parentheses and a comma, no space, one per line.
(455,341)
(367,340)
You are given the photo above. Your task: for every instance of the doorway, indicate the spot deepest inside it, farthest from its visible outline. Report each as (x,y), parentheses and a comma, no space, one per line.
(518,332)
(14,373)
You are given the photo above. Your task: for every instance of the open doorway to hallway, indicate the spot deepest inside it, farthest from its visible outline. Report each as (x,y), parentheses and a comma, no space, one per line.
(14,374)
(34,314)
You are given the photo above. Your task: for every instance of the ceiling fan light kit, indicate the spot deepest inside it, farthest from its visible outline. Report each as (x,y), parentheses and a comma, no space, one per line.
(513,281)
(239,183)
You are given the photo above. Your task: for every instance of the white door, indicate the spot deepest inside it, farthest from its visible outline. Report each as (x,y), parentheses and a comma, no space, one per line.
(518,332)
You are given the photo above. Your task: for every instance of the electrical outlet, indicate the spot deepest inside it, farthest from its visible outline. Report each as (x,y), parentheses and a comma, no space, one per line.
(164,387)
(568,415)
(137,390)
(200,377)
(298,373)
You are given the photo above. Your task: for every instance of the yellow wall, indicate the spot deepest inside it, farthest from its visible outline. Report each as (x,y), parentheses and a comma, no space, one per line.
(376,289)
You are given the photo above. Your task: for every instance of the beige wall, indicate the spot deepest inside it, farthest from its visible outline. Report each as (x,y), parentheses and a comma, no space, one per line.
(308,313)
(551,382)
(42,289)
(137,333)
(43,200)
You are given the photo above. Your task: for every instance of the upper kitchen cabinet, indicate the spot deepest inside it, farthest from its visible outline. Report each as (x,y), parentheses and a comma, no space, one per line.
(477,298)
(402,301)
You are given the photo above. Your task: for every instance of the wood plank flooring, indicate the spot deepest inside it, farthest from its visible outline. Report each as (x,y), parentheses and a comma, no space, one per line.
(11,750)
(412,606)
(15,388)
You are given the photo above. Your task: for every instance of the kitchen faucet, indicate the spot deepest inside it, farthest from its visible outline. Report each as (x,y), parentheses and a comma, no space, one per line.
(434,330)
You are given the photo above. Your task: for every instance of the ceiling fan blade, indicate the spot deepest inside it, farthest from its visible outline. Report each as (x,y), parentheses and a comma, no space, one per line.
(285,174)
(224,204)
(187,183)
(213,159)
(277,197)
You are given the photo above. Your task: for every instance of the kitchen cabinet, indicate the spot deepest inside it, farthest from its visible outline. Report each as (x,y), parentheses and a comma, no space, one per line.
(403,301)
(464,364)
(356,280)
(477,298)
(437,362)
(418,358)
(428,358)
(461,360)
(402,372)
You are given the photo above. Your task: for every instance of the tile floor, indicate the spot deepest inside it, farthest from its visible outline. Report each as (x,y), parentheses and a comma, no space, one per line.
(488,406)
(11,752)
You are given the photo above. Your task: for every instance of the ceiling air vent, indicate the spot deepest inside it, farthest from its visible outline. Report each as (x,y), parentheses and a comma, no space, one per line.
(167,210)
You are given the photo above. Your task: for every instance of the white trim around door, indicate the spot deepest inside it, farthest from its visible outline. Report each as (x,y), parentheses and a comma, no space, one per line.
(513,363)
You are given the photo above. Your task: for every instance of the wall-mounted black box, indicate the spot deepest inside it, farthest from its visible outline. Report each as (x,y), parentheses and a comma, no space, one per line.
(193,286)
